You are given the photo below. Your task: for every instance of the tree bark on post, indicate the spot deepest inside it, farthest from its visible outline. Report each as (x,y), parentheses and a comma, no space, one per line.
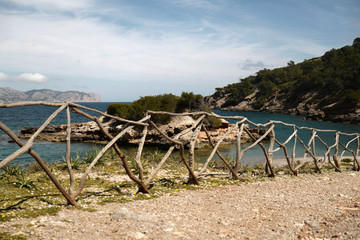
(192,148)
(335,155)
(139,152)
(238,149)
(271,149)
(68,153)
(294,147)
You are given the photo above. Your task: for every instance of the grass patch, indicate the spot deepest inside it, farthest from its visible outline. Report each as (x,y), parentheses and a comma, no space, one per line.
(7,236)
(28,193)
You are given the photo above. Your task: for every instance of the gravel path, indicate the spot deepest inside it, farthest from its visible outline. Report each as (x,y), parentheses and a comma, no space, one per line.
(323,206)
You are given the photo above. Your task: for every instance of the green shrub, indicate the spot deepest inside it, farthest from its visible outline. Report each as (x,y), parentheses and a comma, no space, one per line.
(22,181)
(166,102)
(89,156)
(12,170)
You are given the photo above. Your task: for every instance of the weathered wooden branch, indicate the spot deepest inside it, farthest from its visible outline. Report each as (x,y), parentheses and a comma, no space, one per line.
(335,155)
(73,105)
(352,152)
(327,154)
(237,163)
(192,146)
(313,143)
(98,156)
(71,195)
(271,148)
(272,172)
(139,153)
(355,162)
(215,149)
(143,188)
(30,142)
(283,146)
(197,122)
(167,155)
(23,104)
(309,144)
(234,173)
(41,163)
(294,147)
(68,153)
(286,142)
(311,154)
(157,168)
(181,146)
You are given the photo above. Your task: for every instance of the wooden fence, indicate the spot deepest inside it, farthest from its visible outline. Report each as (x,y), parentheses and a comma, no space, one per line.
(332,155)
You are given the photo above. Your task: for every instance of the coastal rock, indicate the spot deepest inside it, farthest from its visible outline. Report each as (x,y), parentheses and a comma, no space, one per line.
(245,105)
(324,88)
(344,112)
(90,132)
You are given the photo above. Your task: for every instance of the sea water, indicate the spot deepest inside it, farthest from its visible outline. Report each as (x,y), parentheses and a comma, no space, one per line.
(17,118)
(256,155)
(34,116)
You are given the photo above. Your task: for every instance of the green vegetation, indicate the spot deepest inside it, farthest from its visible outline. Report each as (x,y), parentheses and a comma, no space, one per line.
(107,182)
(334,76)
(28,192)
(7,236)
(166,102)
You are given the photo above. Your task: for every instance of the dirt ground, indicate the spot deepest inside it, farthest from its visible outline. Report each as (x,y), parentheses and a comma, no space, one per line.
(325,206)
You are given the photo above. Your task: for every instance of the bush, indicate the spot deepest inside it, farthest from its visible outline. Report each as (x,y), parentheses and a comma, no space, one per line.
(121,110)
(165,102)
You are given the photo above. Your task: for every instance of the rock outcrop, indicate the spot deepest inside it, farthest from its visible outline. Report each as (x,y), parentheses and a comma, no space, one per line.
(338,111)
(9,95)
(90,132)
(325,88)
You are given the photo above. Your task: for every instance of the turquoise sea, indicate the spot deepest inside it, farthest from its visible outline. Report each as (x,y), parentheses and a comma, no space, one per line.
(34,116)
(282,132)
(19,117)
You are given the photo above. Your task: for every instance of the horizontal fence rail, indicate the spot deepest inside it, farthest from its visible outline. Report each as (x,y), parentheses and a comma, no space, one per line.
(333,155)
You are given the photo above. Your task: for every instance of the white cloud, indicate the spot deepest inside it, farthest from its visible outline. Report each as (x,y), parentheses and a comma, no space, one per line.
(25,77)
(88,48)
(107,43)
(32,77)
(3,77)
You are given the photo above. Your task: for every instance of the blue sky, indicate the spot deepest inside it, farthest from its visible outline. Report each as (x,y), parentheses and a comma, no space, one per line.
(127,49)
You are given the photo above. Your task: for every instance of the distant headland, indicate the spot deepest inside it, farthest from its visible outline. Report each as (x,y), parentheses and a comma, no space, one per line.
(9,95)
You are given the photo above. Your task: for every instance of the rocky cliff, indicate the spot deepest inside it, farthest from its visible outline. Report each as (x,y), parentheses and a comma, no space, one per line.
(337,111)
(9,95)
(326,88)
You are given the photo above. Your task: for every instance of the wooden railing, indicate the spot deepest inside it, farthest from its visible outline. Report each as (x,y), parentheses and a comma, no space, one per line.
(241,127)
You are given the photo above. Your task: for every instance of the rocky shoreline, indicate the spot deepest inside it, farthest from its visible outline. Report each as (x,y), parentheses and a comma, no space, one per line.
(335,112)
(90,132)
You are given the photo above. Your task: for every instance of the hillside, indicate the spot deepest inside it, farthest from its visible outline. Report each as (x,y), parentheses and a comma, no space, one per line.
(325,88)
(9,95)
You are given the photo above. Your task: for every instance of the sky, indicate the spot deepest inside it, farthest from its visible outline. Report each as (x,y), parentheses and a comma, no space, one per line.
(125,49)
